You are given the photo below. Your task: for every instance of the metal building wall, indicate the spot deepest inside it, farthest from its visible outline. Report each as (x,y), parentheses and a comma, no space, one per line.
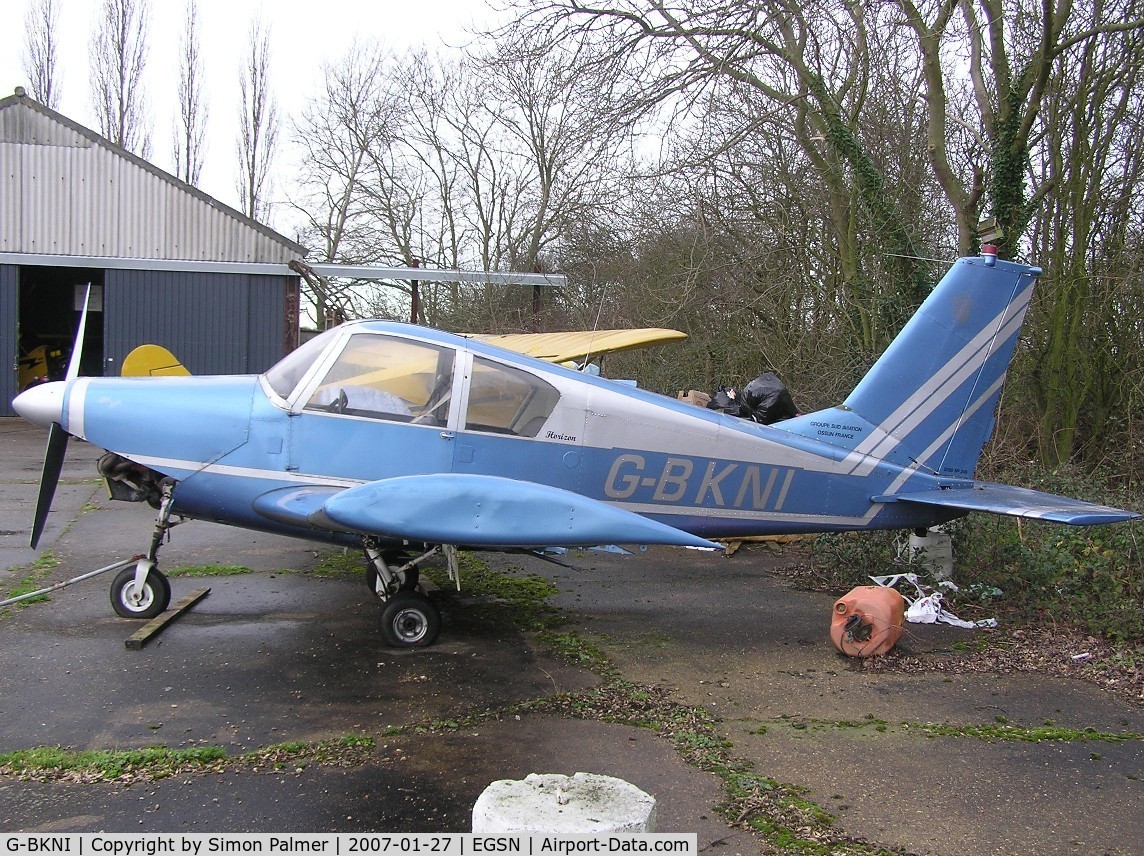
(65,190)
(214,323)
(9,318)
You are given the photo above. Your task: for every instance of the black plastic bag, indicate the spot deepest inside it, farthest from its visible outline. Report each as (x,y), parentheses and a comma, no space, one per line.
(766,399)
(727,400)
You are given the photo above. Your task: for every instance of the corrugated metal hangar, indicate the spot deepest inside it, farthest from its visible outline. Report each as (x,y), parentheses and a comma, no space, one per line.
(167,264)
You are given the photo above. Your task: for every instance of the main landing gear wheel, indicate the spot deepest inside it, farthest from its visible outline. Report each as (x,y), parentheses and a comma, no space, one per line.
(410,620)
(151,600)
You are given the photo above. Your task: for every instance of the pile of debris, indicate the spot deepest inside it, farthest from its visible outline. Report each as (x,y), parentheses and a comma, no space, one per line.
(765,400)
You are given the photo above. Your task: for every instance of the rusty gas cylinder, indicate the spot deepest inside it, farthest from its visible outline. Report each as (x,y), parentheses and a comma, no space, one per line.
(867,621)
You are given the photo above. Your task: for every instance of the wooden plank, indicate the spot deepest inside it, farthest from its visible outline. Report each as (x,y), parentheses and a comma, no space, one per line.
(157,624)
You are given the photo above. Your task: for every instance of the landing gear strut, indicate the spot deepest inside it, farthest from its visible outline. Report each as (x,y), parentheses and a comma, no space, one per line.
(409,619)
(143,591)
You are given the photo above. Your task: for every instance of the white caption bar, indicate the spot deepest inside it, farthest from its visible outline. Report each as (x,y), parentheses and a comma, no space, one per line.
(346,844)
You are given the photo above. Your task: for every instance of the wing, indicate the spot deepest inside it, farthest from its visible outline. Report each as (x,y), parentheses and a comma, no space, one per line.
(1018,502)
(578,344)
(471,511)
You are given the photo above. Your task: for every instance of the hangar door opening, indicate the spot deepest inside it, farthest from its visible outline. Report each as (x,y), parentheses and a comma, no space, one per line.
(51,301)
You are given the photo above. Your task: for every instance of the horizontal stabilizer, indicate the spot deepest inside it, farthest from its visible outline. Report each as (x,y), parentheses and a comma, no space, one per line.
(1018,502)
(490,511)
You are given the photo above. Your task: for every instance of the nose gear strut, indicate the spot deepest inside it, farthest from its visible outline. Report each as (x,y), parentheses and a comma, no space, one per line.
(143,591)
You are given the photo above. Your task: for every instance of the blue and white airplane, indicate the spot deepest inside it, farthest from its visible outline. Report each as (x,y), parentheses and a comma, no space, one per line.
(404,441)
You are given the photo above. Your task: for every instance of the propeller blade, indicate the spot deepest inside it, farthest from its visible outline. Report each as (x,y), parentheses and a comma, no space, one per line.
(77,348)
(53,466)
(58,437)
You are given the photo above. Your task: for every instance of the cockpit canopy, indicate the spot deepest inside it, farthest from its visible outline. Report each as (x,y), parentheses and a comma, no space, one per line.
(374,374)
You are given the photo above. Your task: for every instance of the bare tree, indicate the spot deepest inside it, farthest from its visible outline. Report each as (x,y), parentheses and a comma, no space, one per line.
(258,134)
(118,57)
(562,122)
(190,125)
(807,66)
(338,129)
(1086,336)
(41,51)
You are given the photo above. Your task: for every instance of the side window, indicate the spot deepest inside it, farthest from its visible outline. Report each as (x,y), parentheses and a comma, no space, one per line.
(507,400)
(382,377)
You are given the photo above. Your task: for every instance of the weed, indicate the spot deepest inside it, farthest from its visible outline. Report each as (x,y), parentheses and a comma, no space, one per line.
(1092,578)
(97,765)
(992,732)
(339,563)
(578,651)
(778,812)
(207,571)
(503,596)
(158,762)
(34,578)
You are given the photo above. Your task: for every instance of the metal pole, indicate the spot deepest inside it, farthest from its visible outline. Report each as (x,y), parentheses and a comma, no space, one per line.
(80,578)
(415,303)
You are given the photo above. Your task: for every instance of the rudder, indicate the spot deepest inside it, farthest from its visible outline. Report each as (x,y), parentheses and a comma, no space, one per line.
(930,398)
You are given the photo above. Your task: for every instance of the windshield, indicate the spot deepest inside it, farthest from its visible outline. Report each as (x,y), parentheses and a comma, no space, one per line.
(286,373)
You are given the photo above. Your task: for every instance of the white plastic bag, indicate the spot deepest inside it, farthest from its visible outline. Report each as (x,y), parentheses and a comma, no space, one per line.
(927,608)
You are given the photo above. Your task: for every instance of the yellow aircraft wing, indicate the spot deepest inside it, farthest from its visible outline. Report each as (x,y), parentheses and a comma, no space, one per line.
(578,344)
(574,345)
(150,361)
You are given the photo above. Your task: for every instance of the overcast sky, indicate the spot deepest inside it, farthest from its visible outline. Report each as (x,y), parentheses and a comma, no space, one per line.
(303,36)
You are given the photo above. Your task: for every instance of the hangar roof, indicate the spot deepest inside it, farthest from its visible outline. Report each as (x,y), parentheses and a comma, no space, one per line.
(66,190)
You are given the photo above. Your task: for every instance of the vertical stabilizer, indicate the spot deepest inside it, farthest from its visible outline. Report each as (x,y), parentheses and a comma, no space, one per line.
(930,398)
(933,393)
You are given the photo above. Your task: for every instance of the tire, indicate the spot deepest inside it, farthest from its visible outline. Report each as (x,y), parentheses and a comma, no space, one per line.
(156,594)
(410,620)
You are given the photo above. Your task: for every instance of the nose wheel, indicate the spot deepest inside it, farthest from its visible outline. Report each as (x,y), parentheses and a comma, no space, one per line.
(132,598)
(142,591)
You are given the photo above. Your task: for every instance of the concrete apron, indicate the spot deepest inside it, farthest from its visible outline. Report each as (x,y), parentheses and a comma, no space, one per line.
(727,635)
(271,657)
(275,656)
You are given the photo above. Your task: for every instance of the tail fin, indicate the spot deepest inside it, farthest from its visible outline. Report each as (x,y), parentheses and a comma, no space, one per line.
(152,361)
(931,396)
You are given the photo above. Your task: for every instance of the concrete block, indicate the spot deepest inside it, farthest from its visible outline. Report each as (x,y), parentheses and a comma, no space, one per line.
(549,802)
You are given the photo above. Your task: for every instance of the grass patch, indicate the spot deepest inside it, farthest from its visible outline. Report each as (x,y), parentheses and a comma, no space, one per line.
(521,599)
(991,732)
(339,563)
(778,812)
(34,578)
(207,571)
(52,763)
(575,649)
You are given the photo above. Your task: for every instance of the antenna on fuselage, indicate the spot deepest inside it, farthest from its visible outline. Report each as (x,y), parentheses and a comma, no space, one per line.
(595,328)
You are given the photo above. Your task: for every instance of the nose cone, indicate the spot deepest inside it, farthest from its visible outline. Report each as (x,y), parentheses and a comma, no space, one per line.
(43,404)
